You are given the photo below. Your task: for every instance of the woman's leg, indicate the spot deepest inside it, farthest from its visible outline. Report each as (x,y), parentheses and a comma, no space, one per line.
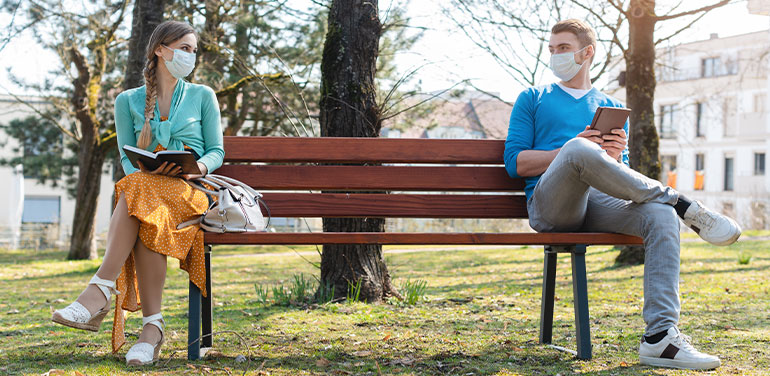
(121,238)
(151,277)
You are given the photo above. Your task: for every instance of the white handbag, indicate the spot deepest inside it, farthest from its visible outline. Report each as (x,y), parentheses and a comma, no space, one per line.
(236,208)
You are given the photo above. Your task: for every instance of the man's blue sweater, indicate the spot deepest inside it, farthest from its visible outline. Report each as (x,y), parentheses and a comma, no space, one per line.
(545,118)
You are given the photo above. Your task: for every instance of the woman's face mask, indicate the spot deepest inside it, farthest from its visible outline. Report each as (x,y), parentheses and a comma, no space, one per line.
(564,65)
(182,64)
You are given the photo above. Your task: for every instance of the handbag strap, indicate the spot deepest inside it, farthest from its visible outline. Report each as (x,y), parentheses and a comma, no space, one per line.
(227,179)
(197,183)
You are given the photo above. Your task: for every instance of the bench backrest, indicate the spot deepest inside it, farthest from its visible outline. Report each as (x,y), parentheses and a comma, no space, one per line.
(425,178)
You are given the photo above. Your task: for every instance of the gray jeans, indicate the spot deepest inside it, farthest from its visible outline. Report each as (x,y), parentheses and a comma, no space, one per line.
(584,189)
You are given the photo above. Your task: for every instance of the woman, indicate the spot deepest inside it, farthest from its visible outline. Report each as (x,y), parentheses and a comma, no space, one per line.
(166,113)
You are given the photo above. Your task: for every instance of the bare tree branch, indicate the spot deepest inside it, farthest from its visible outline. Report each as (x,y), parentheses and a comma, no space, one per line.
(43,115)
(661,40)
(694,11)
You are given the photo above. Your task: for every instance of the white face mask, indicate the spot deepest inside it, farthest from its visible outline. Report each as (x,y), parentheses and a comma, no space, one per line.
(181,64)
(564,66)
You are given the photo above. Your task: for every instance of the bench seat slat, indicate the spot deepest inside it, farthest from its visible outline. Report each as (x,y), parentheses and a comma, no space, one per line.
(355,149)
(362,205)
(391,178)
(422,238)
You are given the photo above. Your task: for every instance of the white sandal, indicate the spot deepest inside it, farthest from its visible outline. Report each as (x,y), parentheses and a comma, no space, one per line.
(77,316)
(143,353)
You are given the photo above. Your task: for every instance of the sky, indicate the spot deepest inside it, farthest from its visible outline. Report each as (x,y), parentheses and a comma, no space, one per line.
(443,55)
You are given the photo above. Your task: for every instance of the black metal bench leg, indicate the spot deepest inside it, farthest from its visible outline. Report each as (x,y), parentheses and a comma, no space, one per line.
(207,339)
(580,295)
(194,323)
(547,300)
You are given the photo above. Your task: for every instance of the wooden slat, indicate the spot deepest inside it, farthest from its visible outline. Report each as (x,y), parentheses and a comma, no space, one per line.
(395,205)
(422,238)
(392,178)
(351,150)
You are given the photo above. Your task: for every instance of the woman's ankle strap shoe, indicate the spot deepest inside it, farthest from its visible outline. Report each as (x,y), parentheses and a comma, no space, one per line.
(143,353)
(77,316)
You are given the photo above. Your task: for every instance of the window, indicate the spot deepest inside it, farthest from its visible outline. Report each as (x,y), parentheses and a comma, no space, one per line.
(728,173)
(710,67)
(760,100)
(38,209)
(759,163)
(667,121)
(699,119)
(699,161)
(668,170)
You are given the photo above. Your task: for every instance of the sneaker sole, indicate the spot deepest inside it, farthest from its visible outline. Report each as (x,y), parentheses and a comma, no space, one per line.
(681,364)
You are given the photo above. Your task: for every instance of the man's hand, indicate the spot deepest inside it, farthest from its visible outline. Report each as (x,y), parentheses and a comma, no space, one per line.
(168,169)
(614,143)
(591,135)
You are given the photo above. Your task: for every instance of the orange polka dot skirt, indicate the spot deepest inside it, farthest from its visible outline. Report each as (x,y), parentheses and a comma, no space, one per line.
(160,203)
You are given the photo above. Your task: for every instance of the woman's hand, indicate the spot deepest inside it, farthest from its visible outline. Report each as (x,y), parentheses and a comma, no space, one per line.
(204,171)
(168,169)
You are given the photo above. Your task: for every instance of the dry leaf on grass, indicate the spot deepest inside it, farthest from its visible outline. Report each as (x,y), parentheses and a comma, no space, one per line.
(323,362)
(362,353)
(54,372)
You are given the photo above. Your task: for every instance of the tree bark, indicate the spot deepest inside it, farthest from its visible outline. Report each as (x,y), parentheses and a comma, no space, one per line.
(640,94)
(147,15)
(349,109)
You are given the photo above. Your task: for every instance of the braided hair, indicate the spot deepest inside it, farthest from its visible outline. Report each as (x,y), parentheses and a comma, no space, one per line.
(164,34)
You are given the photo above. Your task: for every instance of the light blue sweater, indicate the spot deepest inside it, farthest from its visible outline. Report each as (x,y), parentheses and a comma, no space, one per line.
(545,118)
(193,121)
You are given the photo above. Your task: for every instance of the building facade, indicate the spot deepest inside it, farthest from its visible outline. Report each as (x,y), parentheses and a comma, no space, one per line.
(711,107)
(38,215)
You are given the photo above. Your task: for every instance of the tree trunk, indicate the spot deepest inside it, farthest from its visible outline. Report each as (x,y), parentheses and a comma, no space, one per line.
(82,241)
(640,93)
(349,109)
(147,15)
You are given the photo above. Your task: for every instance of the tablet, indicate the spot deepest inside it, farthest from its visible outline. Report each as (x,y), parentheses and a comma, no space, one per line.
(609,118)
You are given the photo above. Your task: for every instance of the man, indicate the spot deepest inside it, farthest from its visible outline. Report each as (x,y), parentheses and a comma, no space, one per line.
(579,180)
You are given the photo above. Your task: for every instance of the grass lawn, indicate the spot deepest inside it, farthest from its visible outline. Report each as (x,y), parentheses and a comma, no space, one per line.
(480,316)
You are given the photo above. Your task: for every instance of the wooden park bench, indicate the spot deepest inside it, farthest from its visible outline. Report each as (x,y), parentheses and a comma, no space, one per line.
(296,166)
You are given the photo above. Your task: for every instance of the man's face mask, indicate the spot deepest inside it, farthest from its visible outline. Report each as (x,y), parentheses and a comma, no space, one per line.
(564,65)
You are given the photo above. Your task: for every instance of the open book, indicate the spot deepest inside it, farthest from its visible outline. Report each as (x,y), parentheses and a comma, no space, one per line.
(151,161)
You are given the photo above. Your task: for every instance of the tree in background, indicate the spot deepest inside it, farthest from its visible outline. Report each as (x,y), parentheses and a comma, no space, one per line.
(625,25)
(147,14)
(85,44)
(349,109)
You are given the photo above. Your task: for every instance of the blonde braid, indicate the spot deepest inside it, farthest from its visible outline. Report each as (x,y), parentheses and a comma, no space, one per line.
(151,94)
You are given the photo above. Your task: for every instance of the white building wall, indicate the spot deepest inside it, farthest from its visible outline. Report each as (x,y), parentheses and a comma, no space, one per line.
(9,110)
(734,121)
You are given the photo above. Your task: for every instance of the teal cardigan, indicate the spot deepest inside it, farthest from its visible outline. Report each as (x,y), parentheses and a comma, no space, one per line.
(193,121)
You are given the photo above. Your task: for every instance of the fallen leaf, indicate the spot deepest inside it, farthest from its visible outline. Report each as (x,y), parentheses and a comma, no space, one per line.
(54,372)
(623,364)
(78,373)
(387,337)
(362,353)
(323,362)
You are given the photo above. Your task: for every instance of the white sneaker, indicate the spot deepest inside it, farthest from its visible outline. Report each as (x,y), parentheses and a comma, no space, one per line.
(675,351)
(712,227)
